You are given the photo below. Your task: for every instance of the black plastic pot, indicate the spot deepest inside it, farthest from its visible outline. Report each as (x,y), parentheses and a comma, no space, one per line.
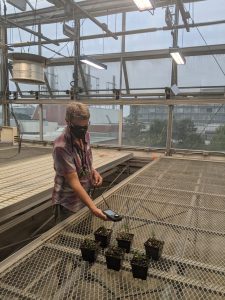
(125,240)
(153,248)
(139,267)
(89,250)
(103,236)
(114,258)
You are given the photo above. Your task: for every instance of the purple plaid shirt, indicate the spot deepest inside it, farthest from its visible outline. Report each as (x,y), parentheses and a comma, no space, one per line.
(68,159)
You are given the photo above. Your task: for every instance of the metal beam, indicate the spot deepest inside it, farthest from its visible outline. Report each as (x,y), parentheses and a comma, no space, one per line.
(126,77)
(4,77)
(48,86)
(75,6)
(121,33)
(128,101)
(83,78)
(96,8)
(143,55)
(31,6)
(16,84)
(28,30)
(123,49)
(183,14)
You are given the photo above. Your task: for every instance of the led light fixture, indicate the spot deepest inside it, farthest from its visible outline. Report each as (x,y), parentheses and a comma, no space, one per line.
(145,4)
(177,56)
(92,62)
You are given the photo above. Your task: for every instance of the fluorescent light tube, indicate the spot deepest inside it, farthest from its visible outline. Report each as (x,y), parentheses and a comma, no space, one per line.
(178,56)
(145,4)
(92,62)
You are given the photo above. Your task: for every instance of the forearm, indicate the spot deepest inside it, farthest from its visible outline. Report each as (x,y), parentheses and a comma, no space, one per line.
(74,182)
(81,193)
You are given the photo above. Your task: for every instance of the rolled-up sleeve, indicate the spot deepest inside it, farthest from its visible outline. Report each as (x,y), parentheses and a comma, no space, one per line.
(63,161)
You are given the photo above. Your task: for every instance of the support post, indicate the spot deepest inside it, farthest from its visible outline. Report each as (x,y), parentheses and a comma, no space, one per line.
(173,81)
(120,126)
(41,119)
(4,78)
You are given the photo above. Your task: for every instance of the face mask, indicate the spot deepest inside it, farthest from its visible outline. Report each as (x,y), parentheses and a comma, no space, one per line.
(78,131)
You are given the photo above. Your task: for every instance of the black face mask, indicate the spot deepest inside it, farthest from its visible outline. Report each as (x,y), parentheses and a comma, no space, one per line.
(78,131)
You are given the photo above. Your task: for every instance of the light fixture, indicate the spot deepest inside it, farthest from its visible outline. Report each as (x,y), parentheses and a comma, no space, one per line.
(145,4)
(177,56)
(92,62)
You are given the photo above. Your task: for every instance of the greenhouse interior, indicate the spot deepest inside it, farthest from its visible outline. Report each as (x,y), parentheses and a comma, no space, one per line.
(114,113)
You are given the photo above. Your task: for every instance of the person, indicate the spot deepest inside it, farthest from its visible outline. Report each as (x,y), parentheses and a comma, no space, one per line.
(75,175)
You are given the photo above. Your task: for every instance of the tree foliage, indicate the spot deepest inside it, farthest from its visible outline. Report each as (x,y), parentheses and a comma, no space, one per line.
(185,135)
(154,135)
(218,140)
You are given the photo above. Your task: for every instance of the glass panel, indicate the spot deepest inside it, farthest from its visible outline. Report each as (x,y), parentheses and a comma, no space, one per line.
(100,46)
(148,41)
(105,79)
(53,120)
(29,125)
(145,126)
(114,23)
(212,35)
(205,11)
(103,123)
(137,20)
(202,71)
(35,3)
(60,78)
(199,127)
(149,73)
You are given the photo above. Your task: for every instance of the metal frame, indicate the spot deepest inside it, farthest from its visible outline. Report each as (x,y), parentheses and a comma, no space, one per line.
(150,200)
(96,8)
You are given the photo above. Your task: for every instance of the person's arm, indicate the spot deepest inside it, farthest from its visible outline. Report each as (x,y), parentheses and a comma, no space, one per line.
(74,182)
(96,178)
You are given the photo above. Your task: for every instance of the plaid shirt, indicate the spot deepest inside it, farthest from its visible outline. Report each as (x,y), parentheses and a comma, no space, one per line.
(67,159)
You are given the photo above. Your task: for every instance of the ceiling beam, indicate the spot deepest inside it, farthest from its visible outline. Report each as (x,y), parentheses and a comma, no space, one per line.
(95,7)
(48,85)
(183,14)
(31,6)
(73,6)
(120,33)
(7,21)
(128,101)
(144,55)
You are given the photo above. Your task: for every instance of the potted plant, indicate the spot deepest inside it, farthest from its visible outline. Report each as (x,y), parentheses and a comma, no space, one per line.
(139,265)
(124,238)
(89,250)
(114,257)
(103,235)
(153,247)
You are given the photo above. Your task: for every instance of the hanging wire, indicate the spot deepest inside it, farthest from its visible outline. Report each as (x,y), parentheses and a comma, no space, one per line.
(115,22)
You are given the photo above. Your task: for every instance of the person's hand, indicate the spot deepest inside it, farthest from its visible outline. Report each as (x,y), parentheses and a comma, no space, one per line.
(96,179)
(99,213)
